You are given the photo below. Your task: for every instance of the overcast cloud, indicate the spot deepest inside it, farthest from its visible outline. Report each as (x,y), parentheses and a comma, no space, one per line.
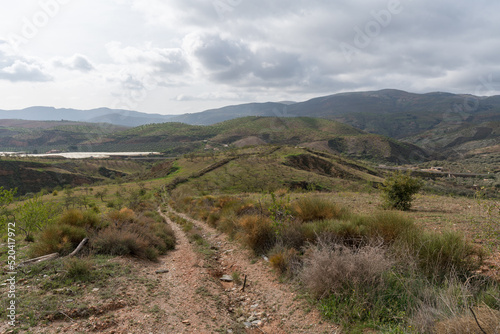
(181,56)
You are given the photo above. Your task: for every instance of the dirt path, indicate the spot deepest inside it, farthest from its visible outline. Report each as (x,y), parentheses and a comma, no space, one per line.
(183,293)
(266,304)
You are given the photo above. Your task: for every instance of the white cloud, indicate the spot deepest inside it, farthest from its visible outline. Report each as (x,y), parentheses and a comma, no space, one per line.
(154,59)
(180,52)
(77,62)
(23,71)
(15,68)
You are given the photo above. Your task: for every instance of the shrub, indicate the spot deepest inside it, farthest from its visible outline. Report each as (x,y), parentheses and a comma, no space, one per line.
(142,236)
(446,308)
(58,238)
(213,217)
(316,208)
(489,320)
(115,241)
(333,268)
(166,235)
(68,231)
(356,286)
(228,225)
(398,190)
(257,233)
(120,217)
(351,233)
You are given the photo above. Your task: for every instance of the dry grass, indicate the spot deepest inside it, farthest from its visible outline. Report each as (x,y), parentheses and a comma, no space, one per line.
(285,260)
(317,208)
(488,319)
(257,233)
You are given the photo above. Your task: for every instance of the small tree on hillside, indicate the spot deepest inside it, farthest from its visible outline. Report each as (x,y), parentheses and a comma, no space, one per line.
(33,215)
(399,189)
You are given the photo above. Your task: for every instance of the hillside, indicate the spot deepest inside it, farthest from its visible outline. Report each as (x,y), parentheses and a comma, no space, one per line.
(212,116)
(267,168)
(322,134)
(31,175)
(42,136)
(432,120)
(390,112)
(393,113)
(178,138)
(465,139)
(247,225)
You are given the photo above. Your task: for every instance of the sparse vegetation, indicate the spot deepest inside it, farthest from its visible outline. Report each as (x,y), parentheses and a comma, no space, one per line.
(380,271)
(318,222)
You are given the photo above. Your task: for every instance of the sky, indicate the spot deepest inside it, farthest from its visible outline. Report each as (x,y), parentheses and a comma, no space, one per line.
(179,56)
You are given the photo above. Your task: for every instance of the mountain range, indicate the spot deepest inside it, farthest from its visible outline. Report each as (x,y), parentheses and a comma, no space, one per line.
(439,122)
(100,115)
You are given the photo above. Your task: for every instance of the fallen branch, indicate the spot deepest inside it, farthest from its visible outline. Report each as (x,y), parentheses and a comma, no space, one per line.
(79,247)
(40,259)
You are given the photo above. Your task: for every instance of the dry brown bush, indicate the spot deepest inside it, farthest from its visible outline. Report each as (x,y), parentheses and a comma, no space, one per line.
(136,235)
(331,267)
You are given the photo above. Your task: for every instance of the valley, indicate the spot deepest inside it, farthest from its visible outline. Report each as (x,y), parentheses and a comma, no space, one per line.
(258,224)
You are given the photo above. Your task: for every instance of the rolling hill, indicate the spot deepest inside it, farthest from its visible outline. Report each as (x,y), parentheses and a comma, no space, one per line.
(42,136)
(441,123)
(322,134)
(178,138)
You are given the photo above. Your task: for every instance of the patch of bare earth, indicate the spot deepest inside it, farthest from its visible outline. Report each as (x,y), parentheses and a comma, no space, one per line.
(183,293)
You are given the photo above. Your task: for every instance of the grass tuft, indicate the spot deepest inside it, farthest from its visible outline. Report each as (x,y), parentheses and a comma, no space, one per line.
(257,233)
(317,208)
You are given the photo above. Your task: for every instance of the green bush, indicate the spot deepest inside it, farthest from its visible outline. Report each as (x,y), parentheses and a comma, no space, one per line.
(75,217)
(389,226)
(399,189)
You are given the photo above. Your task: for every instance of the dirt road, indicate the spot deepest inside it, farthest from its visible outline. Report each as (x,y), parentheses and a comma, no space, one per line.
(183,293)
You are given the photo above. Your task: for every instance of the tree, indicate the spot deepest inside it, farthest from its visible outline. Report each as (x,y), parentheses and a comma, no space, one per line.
(101,194)
(398,190)
(33,215)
